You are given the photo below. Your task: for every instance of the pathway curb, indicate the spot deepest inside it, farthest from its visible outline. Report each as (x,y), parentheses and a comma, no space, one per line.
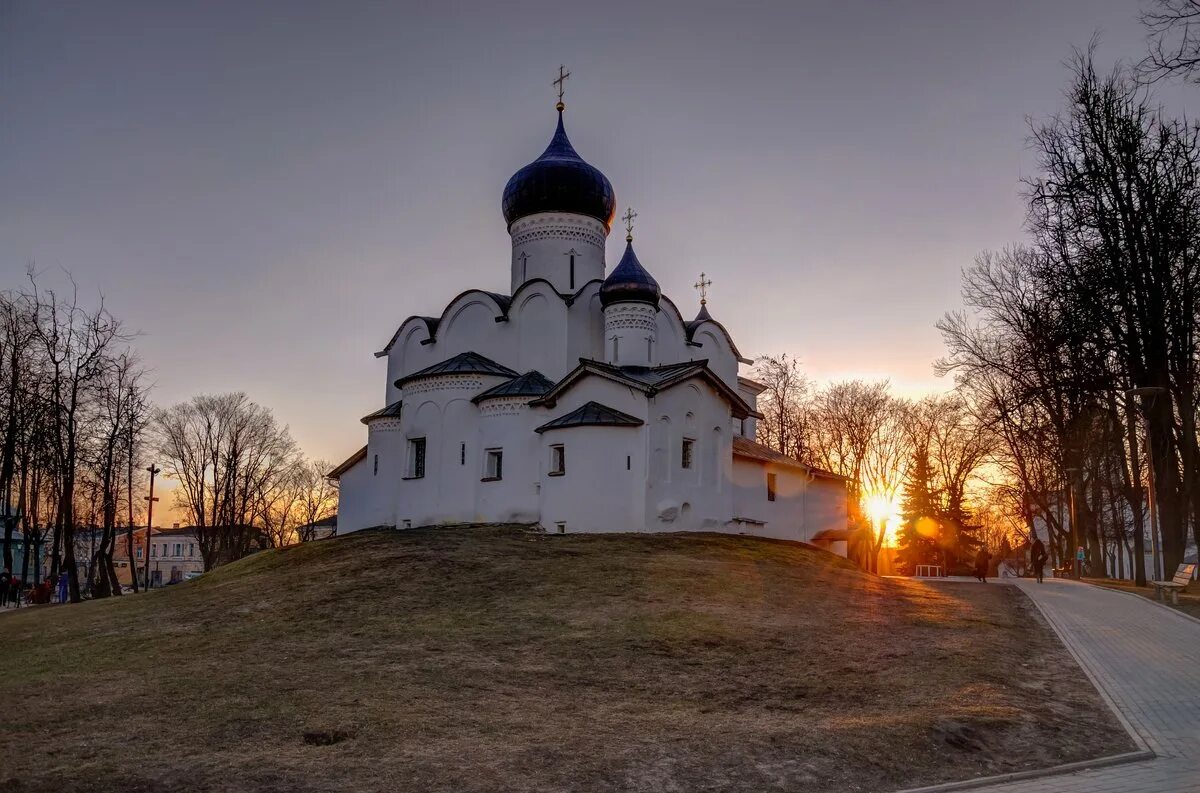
(1036,773)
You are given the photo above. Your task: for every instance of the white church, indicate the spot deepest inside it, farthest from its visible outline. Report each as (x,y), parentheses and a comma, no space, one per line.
(581,401)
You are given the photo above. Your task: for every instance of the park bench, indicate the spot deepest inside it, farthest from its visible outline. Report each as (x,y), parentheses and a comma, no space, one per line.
(1183,577)
(1062,572)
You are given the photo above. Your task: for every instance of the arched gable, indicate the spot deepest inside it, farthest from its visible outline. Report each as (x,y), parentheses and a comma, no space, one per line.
(406,352)
(714,345)
(672,335)
(539,321)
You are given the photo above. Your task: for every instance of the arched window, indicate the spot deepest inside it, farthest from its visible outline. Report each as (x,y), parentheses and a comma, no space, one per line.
(571,255)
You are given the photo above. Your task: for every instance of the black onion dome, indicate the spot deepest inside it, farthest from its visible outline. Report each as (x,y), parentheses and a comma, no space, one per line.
(629,282)
(559,181)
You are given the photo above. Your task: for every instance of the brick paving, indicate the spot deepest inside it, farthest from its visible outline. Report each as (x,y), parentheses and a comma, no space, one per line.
(1145,659)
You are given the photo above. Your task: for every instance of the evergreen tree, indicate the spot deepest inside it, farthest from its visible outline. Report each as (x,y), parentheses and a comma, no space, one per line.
(920,534)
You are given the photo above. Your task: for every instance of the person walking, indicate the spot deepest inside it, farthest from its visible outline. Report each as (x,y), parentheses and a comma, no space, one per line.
(5,582)
(1037,557)
(63,589)
(982,559)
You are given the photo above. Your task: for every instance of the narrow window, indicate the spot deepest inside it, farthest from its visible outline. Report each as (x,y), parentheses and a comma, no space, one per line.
(616,348)
(558,460)
(191,549)
(686,455)
(462,453)
(524,266)
(649,350)
(770,487)
(139,553)
(628,463)
(416,458)
(153,550)
(493,465)
(179,549)
(572,271)
(375,472)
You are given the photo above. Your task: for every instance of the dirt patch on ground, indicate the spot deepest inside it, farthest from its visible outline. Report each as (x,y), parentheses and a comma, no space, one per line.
(501,660)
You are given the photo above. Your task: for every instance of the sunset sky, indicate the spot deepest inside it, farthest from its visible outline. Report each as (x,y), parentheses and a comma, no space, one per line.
(266,190)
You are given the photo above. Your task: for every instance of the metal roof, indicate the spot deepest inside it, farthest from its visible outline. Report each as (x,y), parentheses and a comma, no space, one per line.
(592,414)
(391,411)
(532,383)
(463,363)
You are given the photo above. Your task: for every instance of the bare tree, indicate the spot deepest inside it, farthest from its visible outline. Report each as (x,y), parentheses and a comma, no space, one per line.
(318,496)
(75,343)
(1173,34)
(784,405)
(228,454)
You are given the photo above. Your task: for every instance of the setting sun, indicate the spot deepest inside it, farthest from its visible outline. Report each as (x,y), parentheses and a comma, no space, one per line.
(882,508)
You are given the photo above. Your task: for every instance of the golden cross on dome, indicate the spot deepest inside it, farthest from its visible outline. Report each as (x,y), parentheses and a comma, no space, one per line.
(703,284)
(628,218)
(563,74)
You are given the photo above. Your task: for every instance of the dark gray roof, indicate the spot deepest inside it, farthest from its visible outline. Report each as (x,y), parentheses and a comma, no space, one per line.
(463,363)
(629,281)
(532,383)
(648,379)
(559,181)
(391,411)
(592,414)
(657,375)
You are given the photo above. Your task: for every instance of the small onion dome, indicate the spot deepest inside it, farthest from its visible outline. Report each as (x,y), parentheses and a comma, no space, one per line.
(559,181)
(703,315)
(629,282)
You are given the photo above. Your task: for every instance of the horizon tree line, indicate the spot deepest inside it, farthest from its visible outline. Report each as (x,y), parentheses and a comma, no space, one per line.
(77,428)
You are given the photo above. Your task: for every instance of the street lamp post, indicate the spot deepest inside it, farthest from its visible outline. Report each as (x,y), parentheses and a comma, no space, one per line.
(150,499)
(1151,495)
(1075,564)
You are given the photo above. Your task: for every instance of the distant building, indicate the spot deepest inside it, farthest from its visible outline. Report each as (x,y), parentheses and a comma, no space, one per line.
(319,530)
(37,555)
(174,553)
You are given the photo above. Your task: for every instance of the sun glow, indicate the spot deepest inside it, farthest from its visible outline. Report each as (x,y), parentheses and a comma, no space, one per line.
(885,509)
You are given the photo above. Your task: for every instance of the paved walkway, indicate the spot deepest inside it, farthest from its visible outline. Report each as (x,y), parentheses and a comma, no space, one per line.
(1146,661)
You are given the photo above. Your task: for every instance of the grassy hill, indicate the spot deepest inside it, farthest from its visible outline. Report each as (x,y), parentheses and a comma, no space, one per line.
(494,659)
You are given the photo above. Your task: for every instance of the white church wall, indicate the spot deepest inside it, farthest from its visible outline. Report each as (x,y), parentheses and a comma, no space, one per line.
(585,330)
(362,504)
(672,339)
(603,485)
(698,498)
(827,505)
(630,334)
(506,425)
(715,347)
(542,246)
(437,409)
(539,317)
(786,517)
(802,507)
(407,355)
(470,326)
(458,439)
(748,427)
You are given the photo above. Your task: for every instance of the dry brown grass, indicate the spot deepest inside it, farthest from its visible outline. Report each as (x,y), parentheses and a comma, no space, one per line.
(498,660)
